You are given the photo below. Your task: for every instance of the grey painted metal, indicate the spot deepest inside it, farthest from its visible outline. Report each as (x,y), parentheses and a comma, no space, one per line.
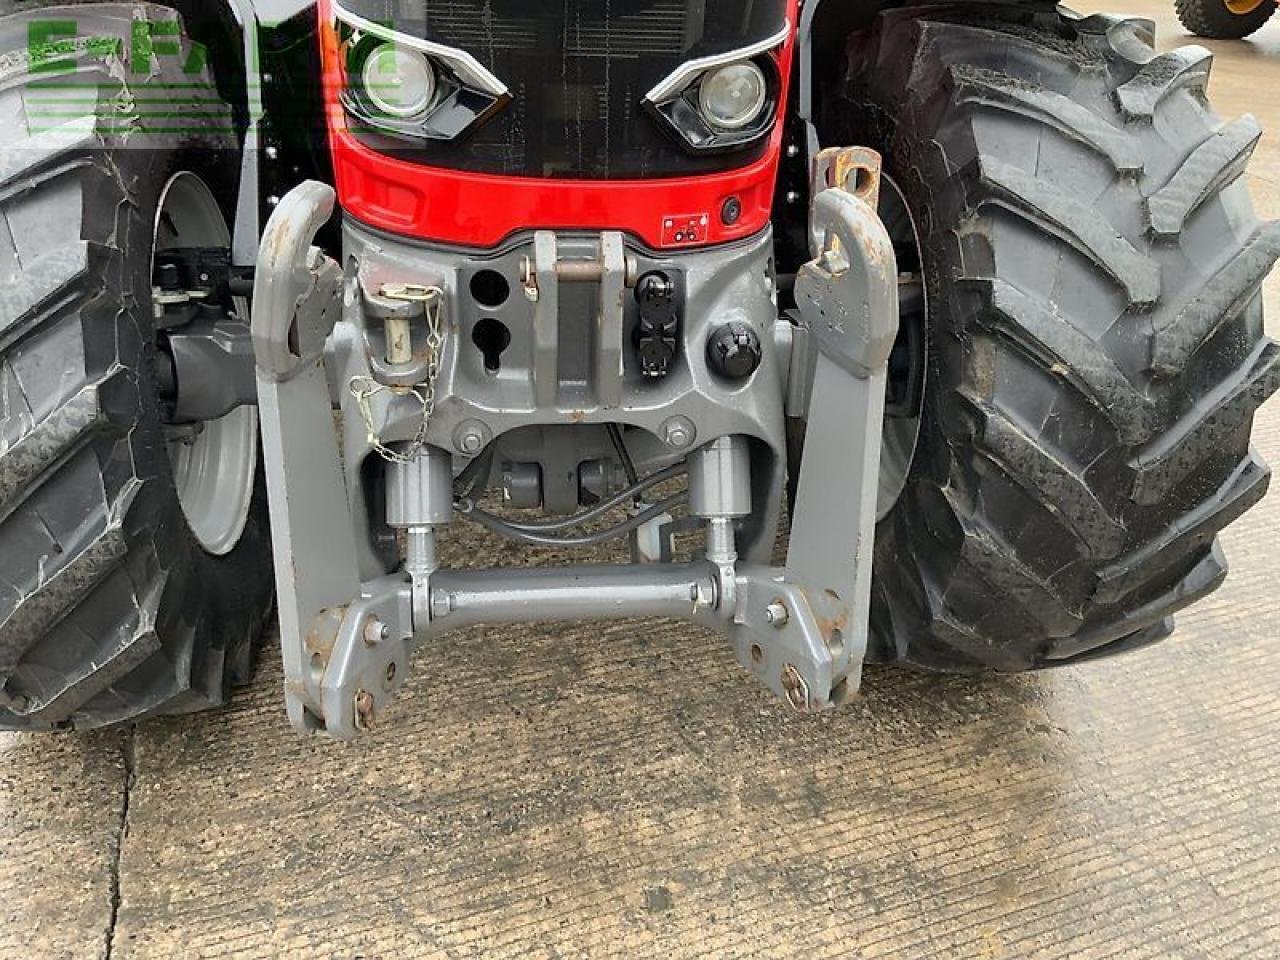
(853,315)
(248,225)
(213,368)
(610,368)
(470,597)
(419,495)
(420,491)
(848,298)
(296,292)
(545,294)
(720,479)
(902,434)
(214,468)
(367,657)
(803,360)
(354,603)
(531,421)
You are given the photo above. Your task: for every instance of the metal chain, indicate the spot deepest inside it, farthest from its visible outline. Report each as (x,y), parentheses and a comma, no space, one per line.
(363,389)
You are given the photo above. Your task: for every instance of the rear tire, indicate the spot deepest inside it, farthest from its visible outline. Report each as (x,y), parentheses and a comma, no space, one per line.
(1216,20)
(110,609)
(1096,355)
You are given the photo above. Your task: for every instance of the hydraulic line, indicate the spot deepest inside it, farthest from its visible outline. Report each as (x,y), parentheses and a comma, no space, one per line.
(602,508)
(624,455)
(474,473)
(503,528)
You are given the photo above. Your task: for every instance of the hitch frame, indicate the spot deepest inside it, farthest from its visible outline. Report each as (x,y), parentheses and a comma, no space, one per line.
(800,628)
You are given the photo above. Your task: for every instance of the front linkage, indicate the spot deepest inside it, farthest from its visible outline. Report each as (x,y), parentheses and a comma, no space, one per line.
(375,341)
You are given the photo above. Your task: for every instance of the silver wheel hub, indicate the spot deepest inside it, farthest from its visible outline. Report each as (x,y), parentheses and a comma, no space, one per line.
(902,433)
(215,462)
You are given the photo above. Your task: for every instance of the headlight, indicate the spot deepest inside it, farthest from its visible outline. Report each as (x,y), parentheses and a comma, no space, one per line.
(396,84)
(725,102)
(733,96)
(399,82)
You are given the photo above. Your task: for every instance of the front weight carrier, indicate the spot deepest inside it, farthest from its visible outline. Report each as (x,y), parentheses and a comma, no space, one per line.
(801,628)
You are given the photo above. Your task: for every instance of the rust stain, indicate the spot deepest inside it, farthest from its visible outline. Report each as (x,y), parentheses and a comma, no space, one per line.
(829,625)
(323,634)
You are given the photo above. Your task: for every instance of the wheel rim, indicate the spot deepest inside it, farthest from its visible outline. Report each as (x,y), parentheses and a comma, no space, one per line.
(902,433)
(1243,7)
(214,470)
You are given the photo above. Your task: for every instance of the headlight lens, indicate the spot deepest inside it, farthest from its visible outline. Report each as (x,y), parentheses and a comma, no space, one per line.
(733,96)
(399,82)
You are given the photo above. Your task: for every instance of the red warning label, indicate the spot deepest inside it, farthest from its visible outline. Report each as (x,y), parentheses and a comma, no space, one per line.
(685,228)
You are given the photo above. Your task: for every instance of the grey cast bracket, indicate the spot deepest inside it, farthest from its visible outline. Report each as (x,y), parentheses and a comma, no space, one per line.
(800,628)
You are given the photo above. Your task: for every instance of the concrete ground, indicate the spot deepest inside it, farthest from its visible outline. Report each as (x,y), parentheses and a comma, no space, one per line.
(628,791)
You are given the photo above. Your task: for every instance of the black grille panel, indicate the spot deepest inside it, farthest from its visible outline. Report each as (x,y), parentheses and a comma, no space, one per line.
(577,70)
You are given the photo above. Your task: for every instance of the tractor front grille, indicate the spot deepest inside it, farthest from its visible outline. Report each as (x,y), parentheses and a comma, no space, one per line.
(577,71)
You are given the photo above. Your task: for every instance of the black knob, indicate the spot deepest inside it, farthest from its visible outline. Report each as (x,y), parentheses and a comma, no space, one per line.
(734,351)
(655,290)
(731,212)
(657,333)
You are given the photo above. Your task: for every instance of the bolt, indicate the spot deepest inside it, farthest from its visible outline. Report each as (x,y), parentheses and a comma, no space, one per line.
(797,690)
(376,632)
(471,437)
(364,710)
(793,150)
(777,614)
(793,196)
(679,432)
(273,153)
(273,201)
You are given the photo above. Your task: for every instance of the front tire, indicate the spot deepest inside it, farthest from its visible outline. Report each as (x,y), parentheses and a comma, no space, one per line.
(1096,356)
(111,608)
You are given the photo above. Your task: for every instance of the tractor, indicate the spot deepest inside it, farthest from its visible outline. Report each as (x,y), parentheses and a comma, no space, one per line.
(858,332)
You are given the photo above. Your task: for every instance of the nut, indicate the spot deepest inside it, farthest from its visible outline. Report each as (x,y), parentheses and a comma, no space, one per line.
(777,614)
(678,432)
(471,437)
(375,632)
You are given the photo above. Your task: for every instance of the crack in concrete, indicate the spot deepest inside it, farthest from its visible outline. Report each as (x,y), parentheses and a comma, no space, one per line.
(129,758)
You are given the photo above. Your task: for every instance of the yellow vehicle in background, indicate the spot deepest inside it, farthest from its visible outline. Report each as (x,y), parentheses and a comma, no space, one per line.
(1224,19)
